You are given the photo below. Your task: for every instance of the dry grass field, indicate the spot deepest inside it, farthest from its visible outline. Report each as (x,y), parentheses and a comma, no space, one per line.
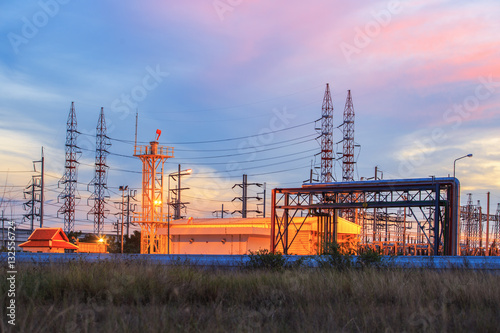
(134,297)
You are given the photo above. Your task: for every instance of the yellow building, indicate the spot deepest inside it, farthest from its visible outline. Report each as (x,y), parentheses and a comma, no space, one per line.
(239,235)
(96,247)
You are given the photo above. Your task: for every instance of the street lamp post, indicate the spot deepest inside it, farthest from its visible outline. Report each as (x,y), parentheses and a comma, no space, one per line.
(454,162)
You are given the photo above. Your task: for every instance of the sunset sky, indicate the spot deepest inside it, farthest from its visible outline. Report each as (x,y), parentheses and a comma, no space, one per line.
(235,86)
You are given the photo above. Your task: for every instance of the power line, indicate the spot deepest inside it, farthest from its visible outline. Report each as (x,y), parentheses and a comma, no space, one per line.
(245,148)
(213,141)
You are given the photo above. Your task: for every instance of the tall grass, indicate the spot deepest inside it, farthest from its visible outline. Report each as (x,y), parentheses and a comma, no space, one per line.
(134,297)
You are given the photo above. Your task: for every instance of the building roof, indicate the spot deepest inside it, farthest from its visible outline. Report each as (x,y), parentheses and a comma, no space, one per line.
(49,237)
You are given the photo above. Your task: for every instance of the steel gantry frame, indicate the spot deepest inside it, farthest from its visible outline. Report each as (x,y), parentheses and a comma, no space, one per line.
(440,195)
(152,217)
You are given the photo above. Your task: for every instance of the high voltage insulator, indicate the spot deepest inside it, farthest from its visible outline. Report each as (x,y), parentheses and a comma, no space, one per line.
(100,178)
(327,137)
(69,179)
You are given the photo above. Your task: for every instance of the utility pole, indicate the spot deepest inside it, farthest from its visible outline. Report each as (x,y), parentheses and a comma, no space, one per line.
(480,225)
(176,202)
(244,198)
(222,211)
(178,207)
(117,229)
(130,194)
(263,204)
(42,190)
(3,228)
(34,193)
(125,208)
(123,189)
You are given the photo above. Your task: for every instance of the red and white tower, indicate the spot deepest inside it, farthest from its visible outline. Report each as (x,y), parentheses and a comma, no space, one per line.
(327,138)
(100,177)
(69,179)
(348,139)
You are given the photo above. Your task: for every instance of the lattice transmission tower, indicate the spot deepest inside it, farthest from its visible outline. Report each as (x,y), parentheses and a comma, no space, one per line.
(496,228)
(468,223)
(70,193)
(100,193)
(479,226)
(327,137)
(348,131)
(348,152)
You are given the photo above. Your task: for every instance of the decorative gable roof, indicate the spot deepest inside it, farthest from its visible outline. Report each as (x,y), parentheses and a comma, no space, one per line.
(49,237)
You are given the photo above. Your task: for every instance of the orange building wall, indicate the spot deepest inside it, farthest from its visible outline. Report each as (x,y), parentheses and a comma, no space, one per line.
(217,244)
(239,236)
(91,247)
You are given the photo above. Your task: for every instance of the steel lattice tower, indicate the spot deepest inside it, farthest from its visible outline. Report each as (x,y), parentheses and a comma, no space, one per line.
(151,218)
(69,179)
(348,152)
(496,227)
(479,226)
(100,178)
(348,131)
(469,215)
(327,138)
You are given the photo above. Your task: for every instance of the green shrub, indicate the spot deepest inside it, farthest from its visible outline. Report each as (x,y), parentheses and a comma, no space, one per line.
(369,258)
(263,259)
(335,255)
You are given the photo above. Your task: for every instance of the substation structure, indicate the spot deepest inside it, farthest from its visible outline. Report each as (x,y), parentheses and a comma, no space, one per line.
(433,203)
(151,218)
(474,230)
